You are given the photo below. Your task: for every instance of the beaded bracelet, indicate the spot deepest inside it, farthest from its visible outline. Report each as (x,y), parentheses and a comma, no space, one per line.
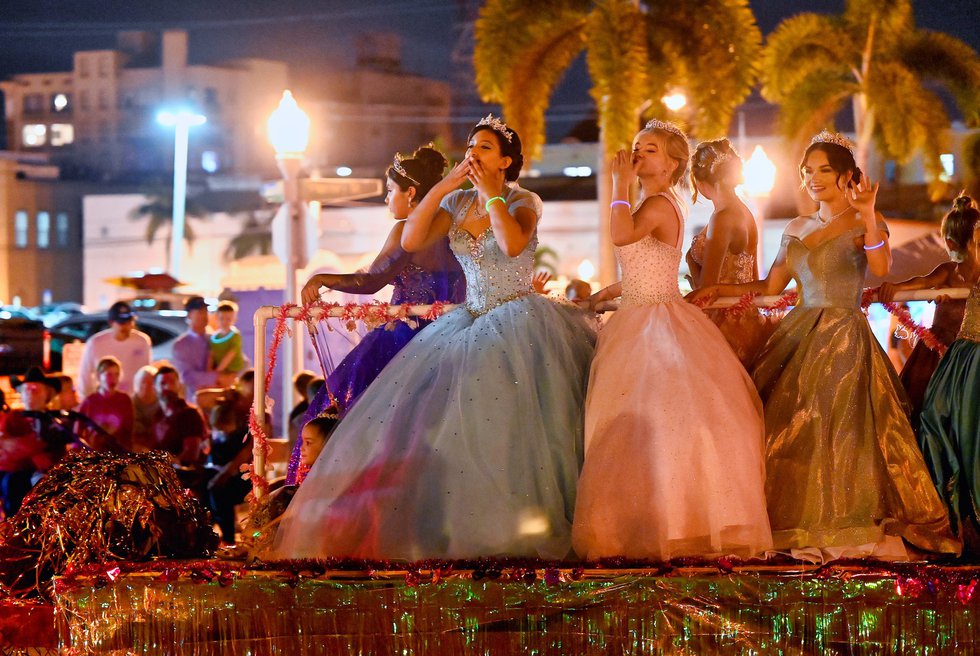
(500,198)
(619,202)
(876,246)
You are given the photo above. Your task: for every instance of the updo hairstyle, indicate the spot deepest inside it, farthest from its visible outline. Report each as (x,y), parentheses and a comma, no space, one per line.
(959,225)
(715,162)
(424,166)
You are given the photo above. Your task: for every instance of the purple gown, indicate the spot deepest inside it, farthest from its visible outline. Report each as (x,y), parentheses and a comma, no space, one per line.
(428,276)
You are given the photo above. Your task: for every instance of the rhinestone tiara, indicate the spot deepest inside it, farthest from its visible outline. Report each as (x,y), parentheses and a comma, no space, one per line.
(497,125)
(666,126)
(833,138)
(400,170)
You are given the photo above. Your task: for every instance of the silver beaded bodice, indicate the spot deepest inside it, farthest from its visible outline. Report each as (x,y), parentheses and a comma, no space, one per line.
(492,278)
(650,268)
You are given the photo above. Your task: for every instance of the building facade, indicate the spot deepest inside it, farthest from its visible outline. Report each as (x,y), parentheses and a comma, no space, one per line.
(99,119)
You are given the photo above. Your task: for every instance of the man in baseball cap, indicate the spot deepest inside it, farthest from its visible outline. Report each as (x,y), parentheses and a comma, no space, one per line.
(122,341)
(192,352)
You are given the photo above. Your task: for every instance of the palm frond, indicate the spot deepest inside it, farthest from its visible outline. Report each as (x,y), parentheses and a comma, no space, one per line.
(814,103)
(908,118)
(890,21)
(946,59)
(800,46)
(521,53)
(617,56)
(688,38)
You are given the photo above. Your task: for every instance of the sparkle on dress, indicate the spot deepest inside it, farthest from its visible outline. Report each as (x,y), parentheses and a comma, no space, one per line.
(971,318)
(492,277)
(650,267)
(736,268)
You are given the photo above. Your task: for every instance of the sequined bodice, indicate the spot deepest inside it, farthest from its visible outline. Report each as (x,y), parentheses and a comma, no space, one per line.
(830,274)
(492,277)
(650,268)
(418,285)
(971,318)
(736,268)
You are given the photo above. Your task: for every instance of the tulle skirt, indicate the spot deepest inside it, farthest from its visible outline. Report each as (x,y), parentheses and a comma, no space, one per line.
(674,442)
(467,444)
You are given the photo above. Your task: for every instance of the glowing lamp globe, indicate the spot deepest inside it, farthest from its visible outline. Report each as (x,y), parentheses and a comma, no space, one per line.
(674,101)
(289,128)
(760,173)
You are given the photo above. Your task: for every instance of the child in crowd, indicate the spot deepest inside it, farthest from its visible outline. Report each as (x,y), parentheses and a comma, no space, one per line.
(226,342)
(66,398)
(111,409)
(231,447)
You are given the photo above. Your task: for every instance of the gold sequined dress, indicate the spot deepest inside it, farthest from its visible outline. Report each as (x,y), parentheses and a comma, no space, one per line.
(748,331)
(843,470)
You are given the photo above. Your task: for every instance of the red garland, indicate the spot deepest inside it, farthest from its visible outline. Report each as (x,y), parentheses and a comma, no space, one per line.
(921,332)
(740,308)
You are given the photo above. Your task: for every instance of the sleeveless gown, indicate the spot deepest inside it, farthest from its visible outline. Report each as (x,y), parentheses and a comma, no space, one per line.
(469,442)
(922,362)
(674,432)
(949,432)
(440,279)
(746,333)
(844,472)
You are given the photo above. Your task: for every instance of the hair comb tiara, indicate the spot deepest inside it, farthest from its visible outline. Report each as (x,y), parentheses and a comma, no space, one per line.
(826,136)
(666,126)
(497,125)
(400,170)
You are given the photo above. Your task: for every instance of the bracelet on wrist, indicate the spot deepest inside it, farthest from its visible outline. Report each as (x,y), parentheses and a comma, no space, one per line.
(876,246)
(619,202)
(495,198)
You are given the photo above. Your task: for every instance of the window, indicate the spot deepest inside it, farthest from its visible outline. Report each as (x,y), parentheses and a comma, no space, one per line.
(62,134)
(211,97)
(949,166)
(209,161)
(43,230)
(104,66)
(84,99)
(63,230)
(34,135)
(83,66)
(60,102)
(21,228)
(103,99)
(34,103)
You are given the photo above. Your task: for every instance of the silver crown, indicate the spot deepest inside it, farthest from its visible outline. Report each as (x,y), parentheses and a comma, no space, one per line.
(833,138)
(497,125)
(400,170)
(666,126)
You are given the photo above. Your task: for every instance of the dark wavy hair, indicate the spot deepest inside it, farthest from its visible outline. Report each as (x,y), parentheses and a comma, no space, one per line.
(425,166)
(511,149)
(840,159)
(706,167)
(960,223)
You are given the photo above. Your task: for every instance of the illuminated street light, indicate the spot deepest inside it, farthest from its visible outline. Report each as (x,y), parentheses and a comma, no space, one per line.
(760,177)
(289,133)
(760,173)
(674,101)
(182,121)
(586,270)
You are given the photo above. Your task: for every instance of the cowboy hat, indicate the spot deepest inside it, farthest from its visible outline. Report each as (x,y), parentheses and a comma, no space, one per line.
(35,375)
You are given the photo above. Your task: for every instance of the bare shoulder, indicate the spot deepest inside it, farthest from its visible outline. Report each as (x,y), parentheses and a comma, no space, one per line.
(655,205)
(797,226)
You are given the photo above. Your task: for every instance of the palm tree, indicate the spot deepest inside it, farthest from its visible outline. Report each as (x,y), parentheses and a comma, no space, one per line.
(873,56)
(636,53)
(255,237)
(158,212)
(546,258)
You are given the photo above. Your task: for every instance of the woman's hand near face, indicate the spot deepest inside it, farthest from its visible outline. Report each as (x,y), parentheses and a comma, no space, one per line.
(623,169)
(454,178)
(862,196)
(488,184)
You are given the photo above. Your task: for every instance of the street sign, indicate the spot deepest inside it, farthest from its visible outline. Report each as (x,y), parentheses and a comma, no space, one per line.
(306,234)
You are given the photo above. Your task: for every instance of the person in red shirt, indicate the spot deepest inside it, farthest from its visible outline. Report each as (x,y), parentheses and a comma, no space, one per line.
(110,408)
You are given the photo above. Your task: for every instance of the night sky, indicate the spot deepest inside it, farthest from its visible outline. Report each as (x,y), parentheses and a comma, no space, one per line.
(41,35)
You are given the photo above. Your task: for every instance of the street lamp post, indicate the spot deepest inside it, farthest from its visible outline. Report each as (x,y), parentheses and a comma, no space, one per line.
(289,132)
(181,121)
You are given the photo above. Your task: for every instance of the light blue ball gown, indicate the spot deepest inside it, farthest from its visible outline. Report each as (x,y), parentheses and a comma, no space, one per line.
(469,442)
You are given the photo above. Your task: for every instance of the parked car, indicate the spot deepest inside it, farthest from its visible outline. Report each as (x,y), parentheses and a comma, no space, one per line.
(26,343)
(161,327)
